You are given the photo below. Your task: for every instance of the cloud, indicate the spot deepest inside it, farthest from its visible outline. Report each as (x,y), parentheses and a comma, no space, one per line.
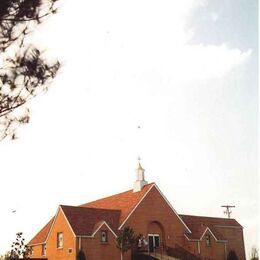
(214,16)
(134,43)
(148,37)
(209,61)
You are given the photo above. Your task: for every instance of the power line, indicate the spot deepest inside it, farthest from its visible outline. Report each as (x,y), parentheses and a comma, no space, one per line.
(228,211)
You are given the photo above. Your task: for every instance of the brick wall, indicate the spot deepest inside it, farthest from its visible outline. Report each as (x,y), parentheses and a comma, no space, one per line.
(36,251)
(214,251)
(69,241)
(154,215)
(97,250)
(234,235)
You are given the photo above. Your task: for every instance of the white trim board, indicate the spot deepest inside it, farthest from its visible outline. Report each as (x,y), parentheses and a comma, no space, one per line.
(169,204)
(67,221)
(174,211)
(132,211)
(101,224)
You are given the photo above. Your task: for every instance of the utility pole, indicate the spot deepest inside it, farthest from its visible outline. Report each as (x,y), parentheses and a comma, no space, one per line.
(228,211)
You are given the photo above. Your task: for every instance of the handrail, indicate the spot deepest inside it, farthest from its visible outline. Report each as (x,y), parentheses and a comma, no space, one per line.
(182,253)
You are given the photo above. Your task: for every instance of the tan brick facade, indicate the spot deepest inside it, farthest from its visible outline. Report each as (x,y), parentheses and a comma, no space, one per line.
(60,225)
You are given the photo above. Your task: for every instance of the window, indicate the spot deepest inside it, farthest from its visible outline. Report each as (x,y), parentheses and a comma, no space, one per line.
(104,237)
(156,241)
(207,239)
(70,250)
(31,251)
(59,240)
(44,249)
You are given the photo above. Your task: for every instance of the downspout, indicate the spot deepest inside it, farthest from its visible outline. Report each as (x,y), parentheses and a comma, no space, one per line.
(79,247)
(198,247)
(225,248)
(79,243)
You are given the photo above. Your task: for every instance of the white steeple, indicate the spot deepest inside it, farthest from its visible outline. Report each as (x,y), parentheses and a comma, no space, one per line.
(140,181)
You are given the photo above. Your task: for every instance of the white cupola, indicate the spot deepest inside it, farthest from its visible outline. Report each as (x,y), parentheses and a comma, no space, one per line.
(140,181)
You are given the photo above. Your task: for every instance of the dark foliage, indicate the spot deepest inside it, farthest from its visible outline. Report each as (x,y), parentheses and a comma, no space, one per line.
(125,239)
(232,255)
(17,16)
(81,255)
(19,249)
(24,71)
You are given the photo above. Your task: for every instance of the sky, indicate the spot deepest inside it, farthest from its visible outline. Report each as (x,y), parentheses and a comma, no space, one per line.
(184,71)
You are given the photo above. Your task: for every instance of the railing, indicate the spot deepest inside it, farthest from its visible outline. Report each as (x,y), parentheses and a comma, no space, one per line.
(177,251)
(158,252)
(181,253)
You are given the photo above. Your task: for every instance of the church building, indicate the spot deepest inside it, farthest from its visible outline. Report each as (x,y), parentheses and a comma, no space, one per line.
(92,229)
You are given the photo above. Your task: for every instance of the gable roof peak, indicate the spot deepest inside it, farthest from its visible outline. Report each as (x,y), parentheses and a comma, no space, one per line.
(200,224)
(124,201)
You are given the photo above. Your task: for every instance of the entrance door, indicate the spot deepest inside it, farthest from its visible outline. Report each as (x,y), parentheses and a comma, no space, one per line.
(154,241)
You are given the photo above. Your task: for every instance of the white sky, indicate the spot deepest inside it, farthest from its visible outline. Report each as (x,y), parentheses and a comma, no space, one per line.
(130,63)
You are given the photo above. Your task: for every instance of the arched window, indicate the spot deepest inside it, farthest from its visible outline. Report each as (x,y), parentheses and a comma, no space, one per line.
(104,236)
(207,240)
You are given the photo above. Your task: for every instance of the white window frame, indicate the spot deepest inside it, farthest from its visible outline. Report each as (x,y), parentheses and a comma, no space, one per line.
(153,235)
(59,240)
(43,249)
(106,236)
(208,240)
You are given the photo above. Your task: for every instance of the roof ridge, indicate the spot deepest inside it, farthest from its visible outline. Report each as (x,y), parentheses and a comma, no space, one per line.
(113,195)
(124,201)
(91,208)
(185,215)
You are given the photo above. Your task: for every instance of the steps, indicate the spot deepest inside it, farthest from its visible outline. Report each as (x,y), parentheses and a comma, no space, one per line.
(161,257)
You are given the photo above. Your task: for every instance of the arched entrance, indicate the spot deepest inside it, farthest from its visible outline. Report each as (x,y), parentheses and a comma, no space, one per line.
(155,236)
